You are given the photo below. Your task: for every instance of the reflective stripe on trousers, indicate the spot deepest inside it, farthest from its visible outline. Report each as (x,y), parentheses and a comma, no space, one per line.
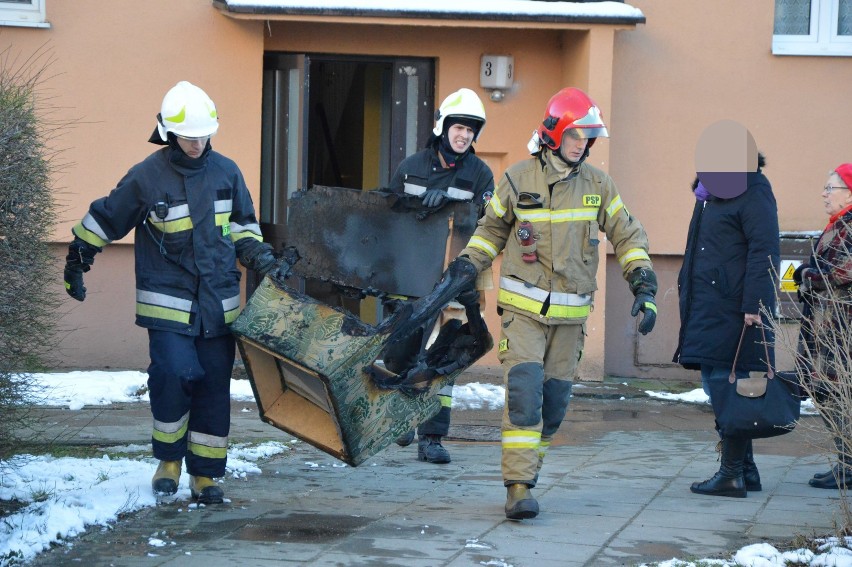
(189,381)
(539,361)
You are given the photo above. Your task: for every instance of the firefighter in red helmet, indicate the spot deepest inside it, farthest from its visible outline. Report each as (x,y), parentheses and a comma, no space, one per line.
(547,278)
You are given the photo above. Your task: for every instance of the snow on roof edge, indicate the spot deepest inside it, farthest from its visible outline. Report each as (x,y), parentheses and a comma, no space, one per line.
(602,12)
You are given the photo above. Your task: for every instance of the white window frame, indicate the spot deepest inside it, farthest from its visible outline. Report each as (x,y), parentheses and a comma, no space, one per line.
(25,14)
(823,38)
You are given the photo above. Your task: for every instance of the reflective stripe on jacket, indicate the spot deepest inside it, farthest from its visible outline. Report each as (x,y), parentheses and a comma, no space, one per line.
(567,209)
(190,226)
(472,180)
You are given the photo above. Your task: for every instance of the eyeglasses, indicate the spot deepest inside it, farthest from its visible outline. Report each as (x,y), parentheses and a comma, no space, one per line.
(830,188)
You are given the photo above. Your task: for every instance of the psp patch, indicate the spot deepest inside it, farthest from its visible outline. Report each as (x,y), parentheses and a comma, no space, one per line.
(591,200)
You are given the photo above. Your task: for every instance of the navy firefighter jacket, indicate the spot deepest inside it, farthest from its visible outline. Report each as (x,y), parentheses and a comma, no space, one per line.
(191,223)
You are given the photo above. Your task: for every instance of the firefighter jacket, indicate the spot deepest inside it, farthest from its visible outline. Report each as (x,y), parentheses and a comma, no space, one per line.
(192,218)
(567,208)
(470,180)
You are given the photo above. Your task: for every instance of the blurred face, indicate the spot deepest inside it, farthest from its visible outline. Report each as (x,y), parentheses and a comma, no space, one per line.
(836,196)
(460,137)
(193,147)
(573,147)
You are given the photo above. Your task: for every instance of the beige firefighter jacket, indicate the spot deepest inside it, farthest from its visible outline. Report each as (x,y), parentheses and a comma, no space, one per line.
(567,218)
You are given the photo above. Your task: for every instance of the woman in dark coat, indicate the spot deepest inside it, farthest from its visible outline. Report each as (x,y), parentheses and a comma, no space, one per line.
(825,285)
(728,280)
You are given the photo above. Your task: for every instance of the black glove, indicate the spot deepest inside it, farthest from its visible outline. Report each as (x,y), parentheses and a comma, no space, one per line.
(278,265)
(264,262)
(462,271)
(80,258)
(74,283)
(257,256)
(643,284)
(646,304)
(798,275)
(285,260)
(434,198)
(803,277)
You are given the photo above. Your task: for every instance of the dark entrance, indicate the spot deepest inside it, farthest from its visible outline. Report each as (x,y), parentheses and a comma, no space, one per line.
(337,121)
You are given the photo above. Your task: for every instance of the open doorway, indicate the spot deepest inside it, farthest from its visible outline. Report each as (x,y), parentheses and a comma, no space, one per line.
(337,121)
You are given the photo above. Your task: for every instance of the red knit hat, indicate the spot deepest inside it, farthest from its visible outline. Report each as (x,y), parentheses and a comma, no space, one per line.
(845,173)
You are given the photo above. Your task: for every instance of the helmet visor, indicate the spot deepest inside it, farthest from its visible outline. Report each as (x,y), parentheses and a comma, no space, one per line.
(193,138)
(586,133)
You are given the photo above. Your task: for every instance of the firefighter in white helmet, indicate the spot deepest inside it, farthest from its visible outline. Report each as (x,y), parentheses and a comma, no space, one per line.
(193,218)
(545,216)
(446,170)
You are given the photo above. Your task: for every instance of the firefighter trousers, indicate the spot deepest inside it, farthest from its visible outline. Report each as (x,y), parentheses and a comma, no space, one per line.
(539,365)
(189,383)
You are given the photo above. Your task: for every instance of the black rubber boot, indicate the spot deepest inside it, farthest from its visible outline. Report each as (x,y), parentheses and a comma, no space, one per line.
(429,449)
(751,476)
(728,481)
(520,504)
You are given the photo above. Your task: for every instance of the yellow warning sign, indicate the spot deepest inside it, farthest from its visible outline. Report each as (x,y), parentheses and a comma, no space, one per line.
(788,268)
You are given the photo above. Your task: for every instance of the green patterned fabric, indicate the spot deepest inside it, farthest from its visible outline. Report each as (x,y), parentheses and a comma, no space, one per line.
(340,348)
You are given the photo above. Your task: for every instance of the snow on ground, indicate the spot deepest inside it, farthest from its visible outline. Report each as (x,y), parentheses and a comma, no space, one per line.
(698,396)
(62,497)
(831,553)
(65,496)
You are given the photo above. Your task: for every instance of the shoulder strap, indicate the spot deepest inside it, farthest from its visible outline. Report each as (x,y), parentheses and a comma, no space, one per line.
(769,372)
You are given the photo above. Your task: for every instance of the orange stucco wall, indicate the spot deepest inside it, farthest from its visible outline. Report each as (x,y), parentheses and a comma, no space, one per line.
(111,64)
(691,64)
(658,85)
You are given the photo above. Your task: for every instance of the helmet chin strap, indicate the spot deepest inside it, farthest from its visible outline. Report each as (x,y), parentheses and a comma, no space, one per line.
(572,163)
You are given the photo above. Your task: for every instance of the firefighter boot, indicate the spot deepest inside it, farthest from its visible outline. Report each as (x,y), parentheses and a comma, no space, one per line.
(520,504)
(728,481)
(205,490)
(429,449)
(751,476)
(166,477)
(406,438)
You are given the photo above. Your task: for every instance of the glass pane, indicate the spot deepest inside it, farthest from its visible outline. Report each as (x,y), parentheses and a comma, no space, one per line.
(792,17)
(412,103)
(844,18)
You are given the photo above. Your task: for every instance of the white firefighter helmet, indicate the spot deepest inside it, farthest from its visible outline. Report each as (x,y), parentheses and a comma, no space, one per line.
(187,112)
(463,104)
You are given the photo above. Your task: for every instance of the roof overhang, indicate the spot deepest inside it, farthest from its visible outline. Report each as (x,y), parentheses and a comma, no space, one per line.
(471,13)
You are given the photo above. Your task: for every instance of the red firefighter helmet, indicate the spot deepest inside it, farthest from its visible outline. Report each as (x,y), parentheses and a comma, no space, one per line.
(571,110)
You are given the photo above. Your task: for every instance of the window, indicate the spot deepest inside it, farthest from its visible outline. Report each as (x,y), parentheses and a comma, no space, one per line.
(812,27)
(28,13)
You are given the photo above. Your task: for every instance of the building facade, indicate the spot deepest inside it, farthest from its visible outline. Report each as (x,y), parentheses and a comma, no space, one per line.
(337,96)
